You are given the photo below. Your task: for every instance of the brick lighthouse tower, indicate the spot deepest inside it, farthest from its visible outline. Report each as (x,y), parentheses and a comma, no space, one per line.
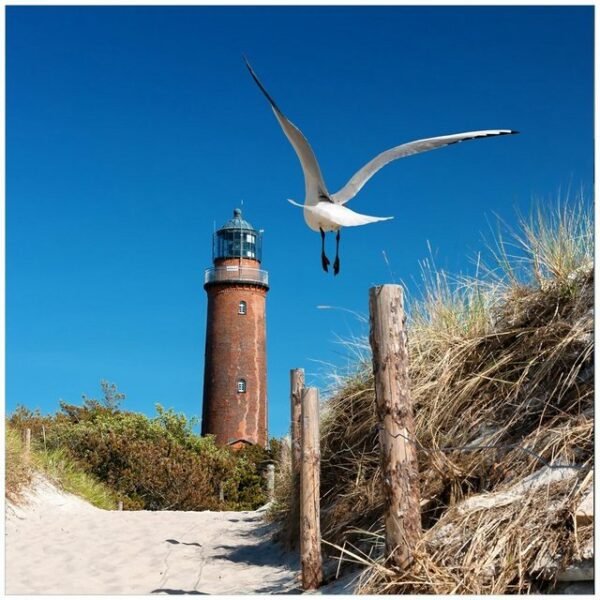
(234,408)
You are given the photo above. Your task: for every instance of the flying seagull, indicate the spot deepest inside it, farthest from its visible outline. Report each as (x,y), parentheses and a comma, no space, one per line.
(326,212)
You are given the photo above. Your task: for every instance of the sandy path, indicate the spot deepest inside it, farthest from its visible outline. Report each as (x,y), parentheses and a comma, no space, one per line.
(59,544)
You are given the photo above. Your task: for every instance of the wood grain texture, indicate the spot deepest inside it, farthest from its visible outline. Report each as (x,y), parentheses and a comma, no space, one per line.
(396,423)
(296,388)
(310,528)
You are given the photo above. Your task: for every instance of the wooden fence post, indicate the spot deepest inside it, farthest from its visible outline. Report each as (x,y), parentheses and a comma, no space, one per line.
(297,386)
(27,444)
(396,424)
(270,482)
(310,527)
(285,458)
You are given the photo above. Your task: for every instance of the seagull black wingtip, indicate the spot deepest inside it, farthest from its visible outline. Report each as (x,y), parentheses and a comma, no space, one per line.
(247,63)
(260,85)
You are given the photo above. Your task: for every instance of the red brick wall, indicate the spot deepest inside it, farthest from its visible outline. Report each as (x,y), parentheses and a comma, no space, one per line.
(242,262)
(235,349)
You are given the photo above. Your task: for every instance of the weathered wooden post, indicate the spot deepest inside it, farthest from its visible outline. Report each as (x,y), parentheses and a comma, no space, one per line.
(285,458)
(27,444)
(310,527)
(396,423)
(297,385)
(270,482)
(221,492)
(120,505)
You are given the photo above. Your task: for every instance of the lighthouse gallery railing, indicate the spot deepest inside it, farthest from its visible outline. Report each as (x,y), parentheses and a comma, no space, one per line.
(235,273)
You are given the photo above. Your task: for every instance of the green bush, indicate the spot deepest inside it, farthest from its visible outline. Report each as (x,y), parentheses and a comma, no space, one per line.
(151,463)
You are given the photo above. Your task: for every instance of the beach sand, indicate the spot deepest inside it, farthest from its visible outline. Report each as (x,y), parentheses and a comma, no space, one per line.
(58,544)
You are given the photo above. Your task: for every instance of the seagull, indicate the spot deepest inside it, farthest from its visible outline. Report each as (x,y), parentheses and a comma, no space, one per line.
(325,212)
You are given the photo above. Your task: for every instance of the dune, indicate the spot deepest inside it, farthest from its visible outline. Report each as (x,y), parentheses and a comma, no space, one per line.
(57,543)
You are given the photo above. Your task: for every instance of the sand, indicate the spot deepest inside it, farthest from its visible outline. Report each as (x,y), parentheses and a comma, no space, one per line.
(58,544)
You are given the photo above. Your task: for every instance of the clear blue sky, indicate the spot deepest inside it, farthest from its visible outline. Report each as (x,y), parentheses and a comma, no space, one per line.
(131,130)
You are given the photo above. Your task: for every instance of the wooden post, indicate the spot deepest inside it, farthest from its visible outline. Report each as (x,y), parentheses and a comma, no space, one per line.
(396,424)
(270,482)
(310,527)
(285,457)
(221,492)
(27,444)
(297,386)
(120,506)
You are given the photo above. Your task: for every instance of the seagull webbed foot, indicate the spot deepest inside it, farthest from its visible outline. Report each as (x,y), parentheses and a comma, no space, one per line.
(336,265)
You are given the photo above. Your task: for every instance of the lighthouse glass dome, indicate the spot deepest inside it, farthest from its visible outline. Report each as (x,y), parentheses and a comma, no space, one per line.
(237,239)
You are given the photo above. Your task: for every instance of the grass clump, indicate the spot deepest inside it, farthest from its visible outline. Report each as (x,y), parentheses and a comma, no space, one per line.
(69,476)
(18,472)
(501,359)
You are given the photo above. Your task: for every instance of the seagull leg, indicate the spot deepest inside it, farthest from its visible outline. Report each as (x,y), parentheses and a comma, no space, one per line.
(324,259)
(336,262)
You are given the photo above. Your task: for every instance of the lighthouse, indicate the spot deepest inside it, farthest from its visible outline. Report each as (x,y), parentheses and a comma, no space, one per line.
(234,407)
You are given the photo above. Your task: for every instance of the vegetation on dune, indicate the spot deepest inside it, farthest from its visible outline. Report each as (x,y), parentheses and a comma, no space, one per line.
(147,463)
(57,465)
(502,359)
(18,473)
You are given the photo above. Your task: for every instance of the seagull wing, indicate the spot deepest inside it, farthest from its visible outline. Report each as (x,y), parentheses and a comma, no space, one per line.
(363,175)
(313,180)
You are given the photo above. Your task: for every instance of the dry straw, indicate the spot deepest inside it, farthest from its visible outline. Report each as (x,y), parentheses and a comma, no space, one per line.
(503,358)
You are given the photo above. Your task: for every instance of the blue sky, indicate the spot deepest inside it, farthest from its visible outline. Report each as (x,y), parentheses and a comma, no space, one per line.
(131,130)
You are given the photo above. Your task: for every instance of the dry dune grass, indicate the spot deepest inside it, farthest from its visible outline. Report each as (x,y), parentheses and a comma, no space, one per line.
(503,359)
(18,472)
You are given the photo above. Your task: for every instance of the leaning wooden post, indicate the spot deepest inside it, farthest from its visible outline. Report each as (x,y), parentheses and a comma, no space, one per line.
(297,386)
(396,424)
(27,444)
(310,528)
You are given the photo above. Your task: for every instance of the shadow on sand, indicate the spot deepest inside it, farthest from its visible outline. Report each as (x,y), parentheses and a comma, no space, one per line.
(177,592)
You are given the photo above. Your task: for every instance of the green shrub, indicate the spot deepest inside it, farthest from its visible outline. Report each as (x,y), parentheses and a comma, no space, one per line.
(151,463)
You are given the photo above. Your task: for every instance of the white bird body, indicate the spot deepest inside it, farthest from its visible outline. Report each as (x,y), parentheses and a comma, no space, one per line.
(329,216)
(326,212)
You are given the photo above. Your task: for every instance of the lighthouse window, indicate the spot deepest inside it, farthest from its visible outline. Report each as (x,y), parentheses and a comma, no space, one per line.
(241,386)
(242,308)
